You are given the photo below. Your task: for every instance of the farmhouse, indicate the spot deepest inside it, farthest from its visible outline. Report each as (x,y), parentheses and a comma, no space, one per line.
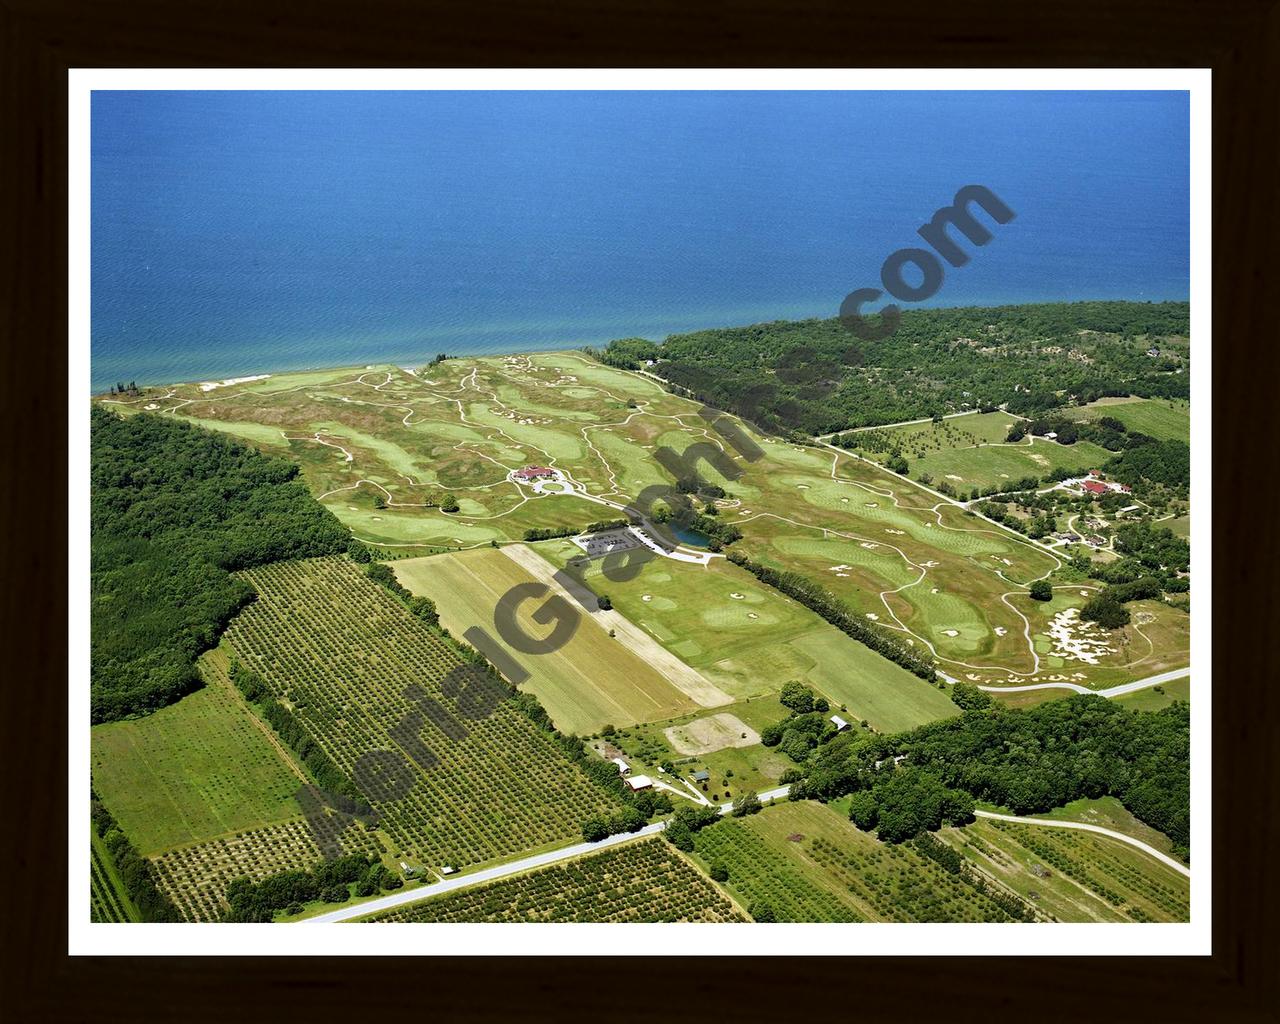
(1094,487)
(840,724)
(623,767)
(701,776)
(639,782)
(534,473)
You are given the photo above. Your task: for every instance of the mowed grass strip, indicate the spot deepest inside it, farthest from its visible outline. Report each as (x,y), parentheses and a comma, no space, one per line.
(591,681)
(197,769)
(1162,418)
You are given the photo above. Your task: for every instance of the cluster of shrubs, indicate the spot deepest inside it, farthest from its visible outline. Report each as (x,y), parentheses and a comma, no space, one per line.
(807,726)
(632,818)
(904,802)
(289,890)
(686,821)
(135,872)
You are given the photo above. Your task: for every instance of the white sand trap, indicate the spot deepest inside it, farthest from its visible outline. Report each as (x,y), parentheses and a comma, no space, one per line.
(210,385)
(1076,641)
(352,508)
(873,616)
(872,504)
(868,545)
(928,565)
(646,597)
(737,596)
(952,476)
(951,632)
(845,500)
(838,568)
(1084,593)
(842,574)
(1001,631)
(151,405)
(803,487)
(1004,476)
(377,519)
(973,677)
(897,532)
(752,615)
(934,590)
(715,732)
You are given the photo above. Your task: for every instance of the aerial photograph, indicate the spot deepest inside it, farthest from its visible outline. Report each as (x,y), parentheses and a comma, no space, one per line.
(708,506)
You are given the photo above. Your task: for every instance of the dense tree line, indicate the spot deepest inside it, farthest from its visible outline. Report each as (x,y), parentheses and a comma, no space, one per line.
(551,532)
(820,600)
(258,902)
(1029,760)
(815,377)
(135,871)
(327,775)
(175,509)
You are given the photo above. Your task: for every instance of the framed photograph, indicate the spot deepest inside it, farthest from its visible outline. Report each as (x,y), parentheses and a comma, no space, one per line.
(631,514)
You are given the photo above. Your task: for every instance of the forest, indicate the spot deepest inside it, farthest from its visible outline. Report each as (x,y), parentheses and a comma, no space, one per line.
(814,377)
(174,510)
(1028,760)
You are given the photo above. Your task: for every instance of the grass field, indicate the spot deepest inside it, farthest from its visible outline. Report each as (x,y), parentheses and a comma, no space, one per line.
(108,900)
(971,451)
(345,654)
(748,639)
(808,863)
(1109,812)
(197,769)
(591,681)
(644,881)
(1163,418)
(1075,876)
(1153,698)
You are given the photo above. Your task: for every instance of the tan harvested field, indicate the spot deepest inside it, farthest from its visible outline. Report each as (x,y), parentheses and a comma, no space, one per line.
(688,680)
(715,732)
(591,681)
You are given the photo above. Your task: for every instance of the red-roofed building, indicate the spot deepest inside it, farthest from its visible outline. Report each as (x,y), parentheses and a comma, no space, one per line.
(534,473)
(1093,487)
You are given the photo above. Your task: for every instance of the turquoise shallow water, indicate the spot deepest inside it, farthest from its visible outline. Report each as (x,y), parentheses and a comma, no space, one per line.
(238,233)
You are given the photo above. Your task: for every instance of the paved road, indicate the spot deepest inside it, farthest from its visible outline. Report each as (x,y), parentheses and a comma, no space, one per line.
(538,860)
(1111,691)
(1164,858)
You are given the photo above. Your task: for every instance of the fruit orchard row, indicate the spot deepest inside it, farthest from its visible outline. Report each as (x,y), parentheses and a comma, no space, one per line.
(645,881)
(340,652)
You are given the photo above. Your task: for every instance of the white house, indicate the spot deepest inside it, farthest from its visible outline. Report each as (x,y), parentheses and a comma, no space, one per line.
(639,782)
(840,724)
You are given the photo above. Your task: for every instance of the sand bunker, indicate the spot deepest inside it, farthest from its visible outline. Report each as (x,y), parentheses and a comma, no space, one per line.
(897,532)
(646,597)
(873,616)
(210,385)
(1001,631)
(1075,640)
(951,632)
(952,476)
(715,732)
(737,597)
(752,615)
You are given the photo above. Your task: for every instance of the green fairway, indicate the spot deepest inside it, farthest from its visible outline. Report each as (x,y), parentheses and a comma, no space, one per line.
(591,681)
(884,545)
(1161,418)
(748,639)
(197,769)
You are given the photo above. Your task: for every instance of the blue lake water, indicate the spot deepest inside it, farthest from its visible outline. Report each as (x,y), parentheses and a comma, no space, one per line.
(240,232)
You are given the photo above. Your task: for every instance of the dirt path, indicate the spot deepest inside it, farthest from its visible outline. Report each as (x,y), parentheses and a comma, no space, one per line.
(687,680)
